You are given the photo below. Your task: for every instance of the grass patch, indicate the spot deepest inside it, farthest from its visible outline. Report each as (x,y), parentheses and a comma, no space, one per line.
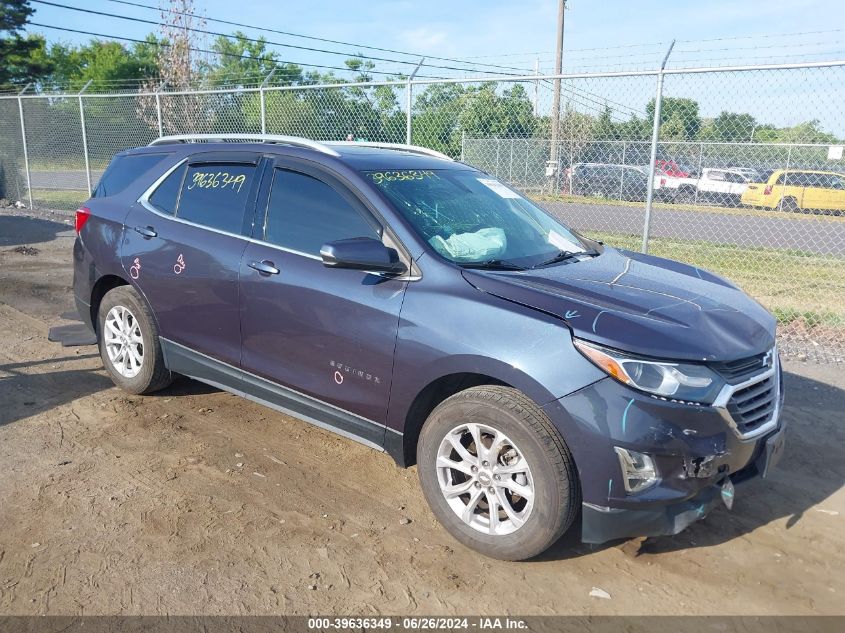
(794,285)
(58,198)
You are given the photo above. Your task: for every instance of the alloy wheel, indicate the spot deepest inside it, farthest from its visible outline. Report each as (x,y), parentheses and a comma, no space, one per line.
(124,341)
(485,479)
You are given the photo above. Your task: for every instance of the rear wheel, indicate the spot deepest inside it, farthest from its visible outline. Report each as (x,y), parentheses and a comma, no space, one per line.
(789,204)
(686,195)
(497,474)
(129,344)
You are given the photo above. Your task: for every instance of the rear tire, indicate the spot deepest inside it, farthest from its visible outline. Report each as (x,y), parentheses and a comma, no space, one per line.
(522,453)
(790,205)
(685,195)
(129,345)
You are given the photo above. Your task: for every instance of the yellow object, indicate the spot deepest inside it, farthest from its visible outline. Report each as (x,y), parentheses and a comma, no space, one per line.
(798,190)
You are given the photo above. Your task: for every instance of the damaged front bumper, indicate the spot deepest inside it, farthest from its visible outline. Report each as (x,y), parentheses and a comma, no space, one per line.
(695,452)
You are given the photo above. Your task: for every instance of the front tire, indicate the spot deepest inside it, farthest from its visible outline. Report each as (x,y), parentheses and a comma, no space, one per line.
(497,474)
(129,345)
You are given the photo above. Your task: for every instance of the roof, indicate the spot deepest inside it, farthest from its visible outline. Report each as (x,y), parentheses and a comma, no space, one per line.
(358,155)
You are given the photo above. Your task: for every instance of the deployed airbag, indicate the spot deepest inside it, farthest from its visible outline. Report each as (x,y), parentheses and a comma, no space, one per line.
(480,245)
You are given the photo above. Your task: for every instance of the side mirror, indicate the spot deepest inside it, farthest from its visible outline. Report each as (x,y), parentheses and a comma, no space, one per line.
(362,253)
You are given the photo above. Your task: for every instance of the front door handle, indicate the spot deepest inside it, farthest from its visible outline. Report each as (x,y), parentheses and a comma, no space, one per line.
(146,231)
(265,267)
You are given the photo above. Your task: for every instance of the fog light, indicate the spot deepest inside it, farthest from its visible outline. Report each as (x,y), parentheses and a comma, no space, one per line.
(638,471)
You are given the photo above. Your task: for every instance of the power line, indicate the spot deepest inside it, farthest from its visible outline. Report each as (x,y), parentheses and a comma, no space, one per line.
(262,41)
(314,38)
(210,52)
(751,37)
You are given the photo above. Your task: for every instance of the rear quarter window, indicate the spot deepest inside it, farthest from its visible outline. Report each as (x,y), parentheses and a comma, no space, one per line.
(123,171)
(166,195)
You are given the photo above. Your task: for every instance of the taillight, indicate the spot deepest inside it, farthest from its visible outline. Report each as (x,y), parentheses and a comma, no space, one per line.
(662,182)
(767,190)
(82,215)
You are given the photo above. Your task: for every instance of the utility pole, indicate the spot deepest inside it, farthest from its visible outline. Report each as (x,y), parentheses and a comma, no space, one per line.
(552,166)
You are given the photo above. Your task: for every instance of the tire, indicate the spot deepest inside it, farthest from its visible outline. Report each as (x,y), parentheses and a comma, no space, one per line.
(685,195)
(129,318)
(789,204)
(543,466)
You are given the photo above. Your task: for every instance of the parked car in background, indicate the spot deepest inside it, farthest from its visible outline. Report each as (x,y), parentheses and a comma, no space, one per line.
(799,190)
(672,169)
(614,181)
(425,309)
(721,186)
(753,175)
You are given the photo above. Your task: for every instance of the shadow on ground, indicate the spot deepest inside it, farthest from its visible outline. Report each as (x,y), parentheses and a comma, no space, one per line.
(26,394)
(16,230)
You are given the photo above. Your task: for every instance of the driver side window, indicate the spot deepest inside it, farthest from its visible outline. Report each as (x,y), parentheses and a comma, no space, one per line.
(304,213)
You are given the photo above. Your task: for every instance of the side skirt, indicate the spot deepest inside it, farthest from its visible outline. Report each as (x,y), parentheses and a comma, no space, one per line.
(185,361)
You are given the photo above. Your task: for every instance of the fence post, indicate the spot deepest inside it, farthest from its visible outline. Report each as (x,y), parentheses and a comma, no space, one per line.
(622,180)
(262,100)
(408,101)
(655,134)
(463,143)
(23,140)
(158,110)
(700,160)
(85,136)
(785,176)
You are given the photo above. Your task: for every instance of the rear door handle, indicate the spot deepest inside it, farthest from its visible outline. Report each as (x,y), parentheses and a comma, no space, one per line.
(146,231)
(265,267)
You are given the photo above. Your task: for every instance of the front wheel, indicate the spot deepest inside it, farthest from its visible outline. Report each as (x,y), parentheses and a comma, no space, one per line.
(129,344)
(497,474)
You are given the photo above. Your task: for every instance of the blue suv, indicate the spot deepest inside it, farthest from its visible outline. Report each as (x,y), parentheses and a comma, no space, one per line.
(425,309)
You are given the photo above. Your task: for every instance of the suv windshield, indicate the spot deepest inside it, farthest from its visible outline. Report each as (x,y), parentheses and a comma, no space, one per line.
(471,218)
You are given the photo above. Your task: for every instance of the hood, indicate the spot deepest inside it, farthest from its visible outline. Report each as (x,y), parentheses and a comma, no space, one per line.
(642,304)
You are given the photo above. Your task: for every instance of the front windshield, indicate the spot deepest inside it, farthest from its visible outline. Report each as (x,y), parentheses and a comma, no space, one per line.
(471,218)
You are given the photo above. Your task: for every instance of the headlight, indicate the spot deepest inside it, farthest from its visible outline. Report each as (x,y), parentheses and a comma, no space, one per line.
(677,381)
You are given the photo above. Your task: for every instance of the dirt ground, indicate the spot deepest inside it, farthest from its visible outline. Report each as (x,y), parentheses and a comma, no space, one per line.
(194,501)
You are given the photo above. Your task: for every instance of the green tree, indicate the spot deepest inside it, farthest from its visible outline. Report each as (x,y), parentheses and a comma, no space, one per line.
(604,128)
(22,59)
(679,118)
(107,64)
(731,127)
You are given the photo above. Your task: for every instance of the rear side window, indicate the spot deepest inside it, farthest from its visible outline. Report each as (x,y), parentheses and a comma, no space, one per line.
(215,195)
(166,195)
(304,213)
(122,171)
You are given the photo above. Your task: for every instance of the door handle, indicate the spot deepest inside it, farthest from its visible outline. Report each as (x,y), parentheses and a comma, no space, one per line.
(146,231)
(265,267)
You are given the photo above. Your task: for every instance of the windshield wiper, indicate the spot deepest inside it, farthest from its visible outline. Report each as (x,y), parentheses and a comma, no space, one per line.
(562,256)
(494,264)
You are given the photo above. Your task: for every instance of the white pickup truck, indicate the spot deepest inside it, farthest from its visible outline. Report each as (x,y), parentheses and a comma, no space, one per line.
(717,185)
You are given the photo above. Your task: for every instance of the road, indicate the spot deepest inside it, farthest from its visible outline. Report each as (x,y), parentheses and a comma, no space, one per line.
(194,501)
(823,235)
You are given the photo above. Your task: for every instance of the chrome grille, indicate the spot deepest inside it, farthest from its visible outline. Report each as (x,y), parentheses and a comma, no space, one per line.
(751,408)
(754,405)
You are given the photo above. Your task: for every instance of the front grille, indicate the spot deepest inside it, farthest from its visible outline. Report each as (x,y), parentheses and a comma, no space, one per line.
(754,405)
(734,370)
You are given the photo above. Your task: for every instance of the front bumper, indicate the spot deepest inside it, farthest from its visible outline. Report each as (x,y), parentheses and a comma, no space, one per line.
(693,447)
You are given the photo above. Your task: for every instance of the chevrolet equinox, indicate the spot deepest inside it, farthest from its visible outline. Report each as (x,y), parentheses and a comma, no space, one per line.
(421,307)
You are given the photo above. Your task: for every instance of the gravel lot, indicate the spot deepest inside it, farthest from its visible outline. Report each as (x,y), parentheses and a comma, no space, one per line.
(194,501)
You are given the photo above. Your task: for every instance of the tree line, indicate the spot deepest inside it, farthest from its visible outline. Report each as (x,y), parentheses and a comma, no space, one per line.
(173,60)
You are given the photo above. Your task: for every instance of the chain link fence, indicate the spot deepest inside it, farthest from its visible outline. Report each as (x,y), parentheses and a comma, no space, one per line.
(738,170)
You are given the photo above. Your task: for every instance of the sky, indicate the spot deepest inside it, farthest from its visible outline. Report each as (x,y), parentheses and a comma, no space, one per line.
(513,36)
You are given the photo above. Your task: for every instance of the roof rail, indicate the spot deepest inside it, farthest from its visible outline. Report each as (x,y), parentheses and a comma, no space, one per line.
(416,149)
(294,141)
